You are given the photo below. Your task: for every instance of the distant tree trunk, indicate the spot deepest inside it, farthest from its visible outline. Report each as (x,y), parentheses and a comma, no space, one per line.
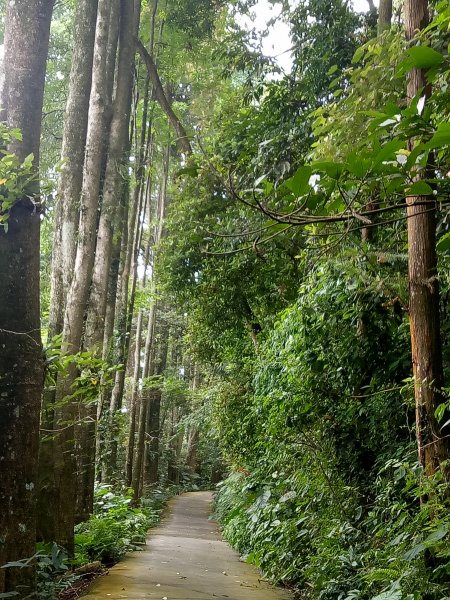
(384,15)
(65,468)
(138,462)
(107,355)
(153,417)
(67,215)
(21,365)
(125,307)
(154,433)
(194,434)
(139,459)
(433,445)
(133,401)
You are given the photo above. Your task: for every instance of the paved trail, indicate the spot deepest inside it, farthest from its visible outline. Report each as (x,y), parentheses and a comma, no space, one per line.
(185,559)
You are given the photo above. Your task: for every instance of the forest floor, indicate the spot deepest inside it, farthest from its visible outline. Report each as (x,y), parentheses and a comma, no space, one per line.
(185,559)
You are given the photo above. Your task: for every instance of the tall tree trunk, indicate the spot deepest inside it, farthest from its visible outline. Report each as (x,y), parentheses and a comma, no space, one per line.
(133,401)
(72,156)
(107,354)
(21,365)
(125,307)
(153,425)
(117,161)
(138,462)
(194,434)
(433,446)
(64,508)
(67,211)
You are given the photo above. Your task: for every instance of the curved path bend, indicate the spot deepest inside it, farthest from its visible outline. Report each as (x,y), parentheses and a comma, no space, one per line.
(185,559)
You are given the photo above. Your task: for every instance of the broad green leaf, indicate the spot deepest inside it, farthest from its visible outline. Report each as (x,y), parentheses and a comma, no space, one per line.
(437,535)
(332,169)
(441,137)
(388,151)
(444,243)
(420,188)
(190,171)
(299,182)
(424,57)
(389,595)
(358,54)
(415,551)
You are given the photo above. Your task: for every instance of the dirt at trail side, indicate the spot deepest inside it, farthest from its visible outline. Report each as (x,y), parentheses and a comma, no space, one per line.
(185,559)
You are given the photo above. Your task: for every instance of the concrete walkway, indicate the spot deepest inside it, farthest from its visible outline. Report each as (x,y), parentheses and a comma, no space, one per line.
(185,559)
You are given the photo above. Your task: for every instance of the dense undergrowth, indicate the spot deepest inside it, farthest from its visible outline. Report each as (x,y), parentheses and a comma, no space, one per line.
(115,528)
(325,492)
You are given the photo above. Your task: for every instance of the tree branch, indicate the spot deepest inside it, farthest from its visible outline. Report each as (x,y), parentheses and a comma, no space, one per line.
(182,138)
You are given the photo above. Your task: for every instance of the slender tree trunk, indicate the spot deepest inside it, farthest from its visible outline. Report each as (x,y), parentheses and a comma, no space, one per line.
(21,365)
(64,508)
(194,434)
(384,15)
(133,400)
(117,162)
(153,425)
(138,463)
(433,446)
(108,352)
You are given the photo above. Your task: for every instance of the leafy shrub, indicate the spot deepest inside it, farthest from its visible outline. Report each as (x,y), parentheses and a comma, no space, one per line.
(325,493)
(53,575)
(115,527)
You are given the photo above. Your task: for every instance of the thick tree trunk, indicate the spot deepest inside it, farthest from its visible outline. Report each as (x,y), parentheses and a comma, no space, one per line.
(63,509)
(433,445)
(21,365)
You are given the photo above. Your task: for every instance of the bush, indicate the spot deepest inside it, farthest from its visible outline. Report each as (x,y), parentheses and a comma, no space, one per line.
(115,527)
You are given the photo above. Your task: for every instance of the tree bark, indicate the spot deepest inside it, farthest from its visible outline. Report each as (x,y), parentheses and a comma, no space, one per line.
(63,509)
(433,445)
(21,365)
(67,212)
(116,162)
(72,155)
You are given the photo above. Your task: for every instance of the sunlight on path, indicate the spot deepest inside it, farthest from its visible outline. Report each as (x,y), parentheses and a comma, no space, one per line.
(185,559)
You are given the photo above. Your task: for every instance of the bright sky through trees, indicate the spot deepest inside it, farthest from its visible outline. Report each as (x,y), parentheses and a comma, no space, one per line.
(277,43)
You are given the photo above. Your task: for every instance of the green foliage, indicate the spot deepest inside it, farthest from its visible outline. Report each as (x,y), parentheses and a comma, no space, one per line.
(53,575)
(93,372)
(16,177)
(311,530)
(115,528)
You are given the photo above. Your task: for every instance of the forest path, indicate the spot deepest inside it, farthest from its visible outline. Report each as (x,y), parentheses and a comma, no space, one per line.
(185,559)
